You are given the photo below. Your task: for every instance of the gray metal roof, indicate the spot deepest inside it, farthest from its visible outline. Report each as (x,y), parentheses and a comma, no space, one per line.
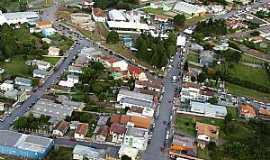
(137,95)
(136,102)
(10,138)
(136,132)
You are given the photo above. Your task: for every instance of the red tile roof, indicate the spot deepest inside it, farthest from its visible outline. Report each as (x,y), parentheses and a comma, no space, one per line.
(247,110)
(82,129)
(134,70)
(118,128)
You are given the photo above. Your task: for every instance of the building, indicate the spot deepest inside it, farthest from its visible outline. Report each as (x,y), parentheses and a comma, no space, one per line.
(208,110)
(264,112)
(102,133)
(141,112)
(136,138)
(43,24)
(189,9)
(83,20)
(123,65)
(73,78)
(74,69)
(42,65)
(128,151)
(81,131)
(47,32)
(23,81)
(181,41)
(206,58)
(123,93)
(2,106)
(190,91)
(24,146)
(61,128)
(206,133)
(132,102)
(18,17)
(7,85)
(247,111)
(136,72)
(181,145)
(149,85)
(81,152)
(103,120)
(53,51)
(117,131)
(99,15)
(37,73)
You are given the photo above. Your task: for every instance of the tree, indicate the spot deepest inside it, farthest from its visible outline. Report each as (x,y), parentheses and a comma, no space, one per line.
(125,157)
(213,100)
(112,37)
(186,66)
(179,20)
(201,77)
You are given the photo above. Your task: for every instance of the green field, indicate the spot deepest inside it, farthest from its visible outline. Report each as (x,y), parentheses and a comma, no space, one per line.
(193,57)
(60,154)
(255,75)
(17,66)
(242,91)
(248,59)
(52,60)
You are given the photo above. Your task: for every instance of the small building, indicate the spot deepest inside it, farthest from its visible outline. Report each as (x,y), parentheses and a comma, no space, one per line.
(81,152)
(99,15)
(7,86)
(53,51)
(247,111)
(208,110)
(103,120)
(264,112)
(81,131)
(37,73)
(189,9)
(67,84)
(190,91)
(181,145)
(23,81)
(83,20)
(136,72)
(128,151)
(73,78)
(123,93)
(123,65)
(131,102)
(102,133)
(42,65)
(206,133)
(43,24)
(61,128)
(74,69)
(117,131)
(24,146)
(206,58)
(136,138)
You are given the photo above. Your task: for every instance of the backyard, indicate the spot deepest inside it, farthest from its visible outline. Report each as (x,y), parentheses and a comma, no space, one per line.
(17,67)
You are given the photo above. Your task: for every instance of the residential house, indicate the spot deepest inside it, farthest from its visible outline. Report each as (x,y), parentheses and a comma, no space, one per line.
(81,152)
(7,85)
(41,65)
(117,131)
(264,112)
(182,145)
(128,151)
(140,122)
(136,138)
(99,15)
(143,112)
(103,120)
(206,58)
(102,133)
(123,93)
(74,69)
(53,51)
(81,131)
(61,128)
(107,61)
(37,73)
(132,102)
(136,72)
(23,81)
(122,64)
(43,24)
(247,111)
(256,39)
(67,84)
(190,91)
(73,78)
(81,61)
(206,133)
(121,119)
(149,85)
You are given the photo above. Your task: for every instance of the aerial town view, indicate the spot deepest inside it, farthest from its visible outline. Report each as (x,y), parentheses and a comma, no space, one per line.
(134,79)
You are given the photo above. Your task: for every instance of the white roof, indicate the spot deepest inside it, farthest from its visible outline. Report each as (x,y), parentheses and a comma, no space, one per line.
(66,84)
(208,109)
(188,8)
(136,95)
(117,15)
(127,25)
(18,17)
(131,152)
(88,152)
(181,40)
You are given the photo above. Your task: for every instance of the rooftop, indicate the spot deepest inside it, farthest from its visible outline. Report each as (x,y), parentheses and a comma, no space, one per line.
(89,152)
(247,109)
(207,129)
(118,128)
(208,109)
(82,129)
(136,132)
(137,95)
(136,102)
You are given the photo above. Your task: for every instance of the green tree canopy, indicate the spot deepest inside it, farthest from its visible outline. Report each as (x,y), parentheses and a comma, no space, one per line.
(112,37)
(179,20)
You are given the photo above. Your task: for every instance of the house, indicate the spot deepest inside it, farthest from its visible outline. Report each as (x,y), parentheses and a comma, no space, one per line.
(99,15)
(123,93)
(121,119)
(61,128)
(2,106)
(7,85)
(73,78)
(190,91)
(53,51)
(136,138)
(43,24)
(42,65)
(81,131)
(256,39)
(247,111)
(264,112)
(149,85)
(117,131)
(67,84)
(23,81)
(107,61)
(103,120)
(12,94)
(141,112)
(136,72)
(206,133)
(74,69)
(182,145)
(37,73)
(161,18)
(128,151)
(206,58)
(140,122)
(132,102)
(81,152)
(102,133)
(123,65)
(208,110)
(81,61)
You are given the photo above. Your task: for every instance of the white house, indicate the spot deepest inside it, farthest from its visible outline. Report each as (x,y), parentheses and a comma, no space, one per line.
(7,86)
(61,129)
(39,73)
(53,51)
(190,91)
(23,81)
(190,9)
(123,93)
(81,152)
(136,138)
(117,131)
(208,110)
(123,65)
(128,151)
(73,78)
(42,65)
(68,84)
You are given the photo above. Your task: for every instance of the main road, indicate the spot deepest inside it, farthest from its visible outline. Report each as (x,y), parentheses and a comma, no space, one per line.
(158,141)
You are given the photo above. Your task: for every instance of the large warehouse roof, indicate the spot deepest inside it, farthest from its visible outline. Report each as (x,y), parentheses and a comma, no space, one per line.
(24,142)
(188,8)
(127,25)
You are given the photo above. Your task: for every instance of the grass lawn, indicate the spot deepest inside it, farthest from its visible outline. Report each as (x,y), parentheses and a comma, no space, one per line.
(233,111)
(155,11)
(52,60)
(194,57)
(61,153)
(242,91)
(61,42)
(18,67)
(249,59)
(255,75)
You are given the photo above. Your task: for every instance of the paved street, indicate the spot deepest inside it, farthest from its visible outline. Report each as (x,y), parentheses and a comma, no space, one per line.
(153,151)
